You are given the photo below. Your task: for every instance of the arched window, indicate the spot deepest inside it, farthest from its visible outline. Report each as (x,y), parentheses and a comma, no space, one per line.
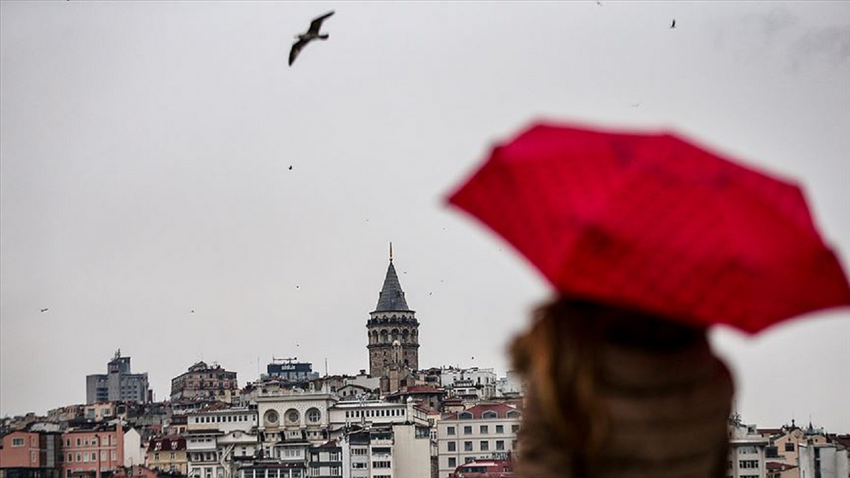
(405,335)
(384,336)
(292,416)
(464,416)
(489,414)
(314,415)
(271,417)
(513,414)
(395,335)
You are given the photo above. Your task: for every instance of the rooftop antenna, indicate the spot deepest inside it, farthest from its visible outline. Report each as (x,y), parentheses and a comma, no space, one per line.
(326,363)
(391,251)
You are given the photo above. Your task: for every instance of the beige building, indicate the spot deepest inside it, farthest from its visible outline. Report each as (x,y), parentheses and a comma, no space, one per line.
(97,412)
(202,381)
(168,454)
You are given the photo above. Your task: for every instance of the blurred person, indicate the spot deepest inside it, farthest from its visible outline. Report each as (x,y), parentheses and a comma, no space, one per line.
(615,392)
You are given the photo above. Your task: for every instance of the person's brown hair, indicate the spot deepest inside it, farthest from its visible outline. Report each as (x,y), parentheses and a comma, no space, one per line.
(565,425)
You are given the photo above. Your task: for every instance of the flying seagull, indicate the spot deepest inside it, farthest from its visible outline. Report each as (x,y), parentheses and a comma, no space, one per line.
(673,25)
(44,310)
(305,38)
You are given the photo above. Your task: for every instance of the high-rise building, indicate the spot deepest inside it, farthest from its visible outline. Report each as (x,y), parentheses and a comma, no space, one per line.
(393,334)
(118,384)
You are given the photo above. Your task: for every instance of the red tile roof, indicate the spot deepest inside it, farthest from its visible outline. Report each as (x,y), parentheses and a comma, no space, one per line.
(477,411)
(167,443)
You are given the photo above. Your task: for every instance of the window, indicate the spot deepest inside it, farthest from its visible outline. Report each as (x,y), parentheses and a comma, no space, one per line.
(489,414)
(271,416)
(467,446)
(485,445)
(467,430)
(79,441)
(314,415)
(292,416)
(16,442)
(70,458)
(748,464)
(789,446)
(450,430)
(452,446)
(79,458)
(380,464)
(452,462)
(500,429)
(500,445)
(514,429)
(464,416)
(483,430)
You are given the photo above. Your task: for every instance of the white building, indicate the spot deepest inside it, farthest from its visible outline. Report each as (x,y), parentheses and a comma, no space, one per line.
(133,451)
(293,416)
(224,420)
(218,439)
(372,413)
(393,451)
(823,461)
(482,432)
(746,452)
(471,384)
(511,385)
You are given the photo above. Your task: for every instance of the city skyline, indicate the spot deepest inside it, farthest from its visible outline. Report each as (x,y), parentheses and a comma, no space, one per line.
(172,188)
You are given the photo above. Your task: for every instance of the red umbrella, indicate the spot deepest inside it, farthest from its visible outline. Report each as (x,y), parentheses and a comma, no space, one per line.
(656,223)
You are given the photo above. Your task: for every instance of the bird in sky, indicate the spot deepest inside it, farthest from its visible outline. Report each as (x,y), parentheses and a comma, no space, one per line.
(290,168)
(673,25)
(305,38)
(44,310)
(192,311)
(635,105)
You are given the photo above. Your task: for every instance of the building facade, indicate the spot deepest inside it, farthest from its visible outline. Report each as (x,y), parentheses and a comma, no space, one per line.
(392,333)
(291,371)
(119,384)
(487,431)
(29,454)
(746,452)
(167,454)
(93,452)
(204,381)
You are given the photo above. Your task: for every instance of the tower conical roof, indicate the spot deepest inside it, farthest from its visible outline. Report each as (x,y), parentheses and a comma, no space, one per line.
(391,297)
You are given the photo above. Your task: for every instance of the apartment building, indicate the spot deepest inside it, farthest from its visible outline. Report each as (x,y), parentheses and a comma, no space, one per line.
(486,431)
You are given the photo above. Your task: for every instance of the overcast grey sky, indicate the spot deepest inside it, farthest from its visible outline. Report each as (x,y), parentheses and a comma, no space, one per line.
(144,172)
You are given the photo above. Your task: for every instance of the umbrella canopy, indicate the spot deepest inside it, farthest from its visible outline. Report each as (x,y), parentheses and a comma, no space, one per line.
(656,223)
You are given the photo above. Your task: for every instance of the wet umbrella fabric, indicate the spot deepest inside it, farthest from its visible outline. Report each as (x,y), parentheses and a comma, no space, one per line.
(656,223)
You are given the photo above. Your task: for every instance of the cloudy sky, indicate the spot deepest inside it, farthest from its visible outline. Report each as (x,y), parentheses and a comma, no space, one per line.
(146,152)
